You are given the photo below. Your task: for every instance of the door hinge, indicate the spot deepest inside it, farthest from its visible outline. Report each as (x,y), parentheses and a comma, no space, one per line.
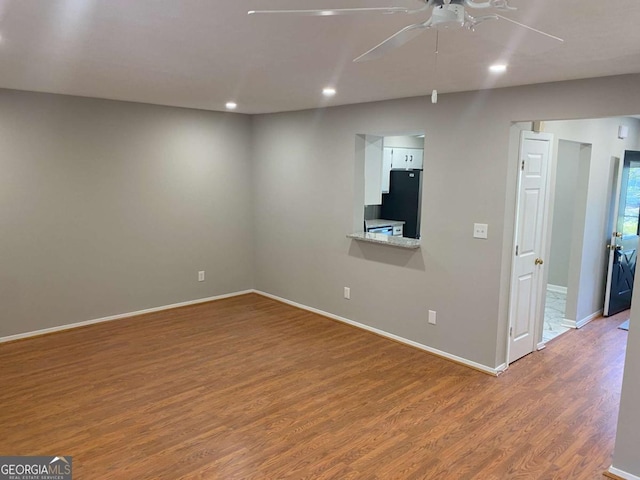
(517,250)
(522,167)
(511,331)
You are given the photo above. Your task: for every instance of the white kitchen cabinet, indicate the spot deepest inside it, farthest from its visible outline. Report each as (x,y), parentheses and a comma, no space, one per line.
(406,158)
(415,158)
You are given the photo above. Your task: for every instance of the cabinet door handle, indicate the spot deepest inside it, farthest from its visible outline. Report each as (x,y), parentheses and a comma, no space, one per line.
(412,158)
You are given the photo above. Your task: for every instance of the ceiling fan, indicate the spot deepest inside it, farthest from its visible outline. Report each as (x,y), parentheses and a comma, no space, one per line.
(445,15)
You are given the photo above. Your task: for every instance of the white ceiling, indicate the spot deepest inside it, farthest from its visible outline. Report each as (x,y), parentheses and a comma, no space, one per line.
(202,53)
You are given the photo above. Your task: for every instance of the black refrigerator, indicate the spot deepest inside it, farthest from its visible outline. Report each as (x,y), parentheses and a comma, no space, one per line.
(404,200)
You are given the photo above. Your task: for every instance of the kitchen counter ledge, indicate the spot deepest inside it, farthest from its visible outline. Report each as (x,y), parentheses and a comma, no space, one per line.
(379,238)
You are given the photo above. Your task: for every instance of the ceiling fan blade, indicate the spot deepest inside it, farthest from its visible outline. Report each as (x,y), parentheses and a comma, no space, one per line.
(498,4)
(394,41)
(335,11)
(530,28)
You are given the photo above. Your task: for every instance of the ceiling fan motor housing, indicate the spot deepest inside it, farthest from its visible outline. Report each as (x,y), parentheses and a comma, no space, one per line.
(448,16)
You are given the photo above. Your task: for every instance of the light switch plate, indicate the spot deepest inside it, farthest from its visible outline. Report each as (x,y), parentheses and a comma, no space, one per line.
(480,230)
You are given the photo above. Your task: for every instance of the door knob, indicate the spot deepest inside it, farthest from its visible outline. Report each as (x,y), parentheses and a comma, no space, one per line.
(618,234)
(539,261)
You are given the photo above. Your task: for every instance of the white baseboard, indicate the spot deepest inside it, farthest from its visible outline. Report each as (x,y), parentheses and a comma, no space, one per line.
(541,346)
(581,323)
(500,369)
(568,323)
(60,328)
(463,361)
(556,288)
(622,474)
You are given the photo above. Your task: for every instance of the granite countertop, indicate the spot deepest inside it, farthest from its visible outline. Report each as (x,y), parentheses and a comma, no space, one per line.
(379,222)
(380,238)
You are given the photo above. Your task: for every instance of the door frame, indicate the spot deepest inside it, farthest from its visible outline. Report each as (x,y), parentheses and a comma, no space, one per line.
(544,242)
(613,226)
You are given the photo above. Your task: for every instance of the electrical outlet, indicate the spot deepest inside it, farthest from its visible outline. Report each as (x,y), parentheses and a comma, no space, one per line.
(432,317)
(201,276)
(480,230)
(347,293)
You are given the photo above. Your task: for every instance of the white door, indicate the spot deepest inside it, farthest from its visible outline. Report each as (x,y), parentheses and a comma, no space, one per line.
(526,277)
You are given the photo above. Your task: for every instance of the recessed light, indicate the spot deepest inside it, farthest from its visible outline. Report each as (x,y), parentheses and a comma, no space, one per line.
(498,68)
(329,92)
(231,105)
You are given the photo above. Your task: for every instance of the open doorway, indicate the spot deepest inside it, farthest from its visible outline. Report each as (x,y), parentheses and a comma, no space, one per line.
(577,227)
(568,212)
(625,228)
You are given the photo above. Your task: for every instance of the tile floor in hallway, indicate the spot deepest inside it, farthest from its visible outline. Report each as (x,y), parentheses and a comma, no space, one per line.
(553,315)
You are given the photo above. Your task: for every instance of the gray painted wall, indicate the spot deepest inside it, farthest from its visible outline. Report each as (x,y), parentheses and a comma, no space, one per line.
(628,434)
(567,163)
(306,185)
(111,207)
(625,455)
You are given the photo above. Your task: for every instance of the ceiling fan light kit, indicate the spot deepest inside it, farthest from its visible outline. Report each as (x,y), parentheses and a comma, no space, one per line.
(448,16)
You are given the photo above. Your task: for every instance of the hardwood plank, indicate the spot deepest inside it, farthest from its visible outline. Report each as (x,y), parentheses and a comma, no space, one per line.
(249,388)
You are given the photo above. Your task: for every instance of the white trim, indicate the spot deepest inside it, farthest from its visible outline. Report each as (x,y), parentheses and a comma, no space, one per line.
(477,366)
(619,163)
(500,369)
(541,346)
(556,289)
(622,473)
(60,328)
(483,368)
(580,323)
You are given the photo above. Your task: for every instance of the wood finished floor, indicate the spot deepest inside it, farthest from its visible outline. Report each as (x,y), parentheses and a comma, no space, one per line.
(248,388)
